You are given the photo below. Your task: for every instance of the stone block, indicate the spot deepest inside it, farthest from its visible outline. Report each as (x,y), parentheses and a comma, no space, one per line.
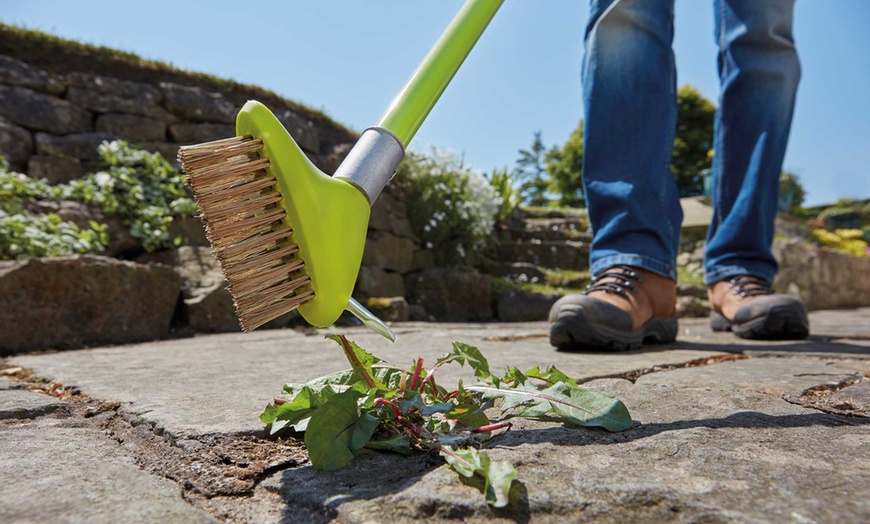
(41,112)
(561,255)
(112,103)
(520,305)
(168,150)
(390,214)
(375,282)
(132,128)
(451,294)
(70,302)
(16,73)
(16,144)
(190,133)
(329,164)
(190,229)
(389,309)
(208,306)
(113,86)
(822,278)
(55,169)
(303,131)
(80,145)
(197,104)
(388,251)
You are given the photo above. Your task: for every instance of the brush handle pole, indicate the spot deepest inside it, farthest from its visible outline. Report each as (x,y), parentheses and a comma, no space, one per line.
(411,106)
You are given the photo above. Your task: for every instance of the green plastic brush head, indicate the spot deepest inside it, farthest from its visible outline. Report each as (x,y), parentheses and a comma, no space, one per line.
(287,234)
(329,217)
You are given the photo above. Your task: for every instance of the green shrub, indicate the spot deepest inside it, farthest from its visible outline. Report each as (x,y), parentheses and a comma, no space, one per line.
(24,236)
(140,187)
(16,189)
(451,206)
(507,197)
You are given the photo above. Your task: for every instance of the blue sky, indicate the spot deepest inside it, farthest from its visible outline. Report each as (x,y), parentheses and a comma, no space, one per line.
(349,57)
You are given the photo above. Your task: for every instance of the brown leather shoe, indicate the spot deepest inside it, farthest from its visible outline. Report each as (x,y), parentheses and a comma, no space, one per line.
(747,306)
(623,308)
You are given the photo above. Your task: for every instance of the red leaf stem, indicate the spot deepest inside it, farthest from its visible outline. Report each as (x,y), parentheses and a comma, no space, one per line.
(418,368)
(492,427)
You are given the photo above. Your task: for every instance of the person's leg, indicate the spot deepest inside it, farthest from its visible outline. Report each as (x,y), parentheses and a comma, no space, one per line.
(629,95)
(759,72)
(629,91)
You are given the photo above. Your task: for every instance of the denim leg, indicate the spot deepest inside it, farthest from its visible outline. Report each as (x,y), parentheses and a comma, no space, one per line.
(629,92)
(758,73)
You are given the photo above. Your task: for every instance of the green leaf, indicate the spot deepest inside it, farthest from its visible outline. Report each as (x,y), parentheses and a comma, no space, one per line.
(466,354)
(589,408)
(398,444)
(297,411)
(414,400)
(497,476)
(363,431)
(551,375)
(570,403)
(389,376)
(329,437)
(361,361)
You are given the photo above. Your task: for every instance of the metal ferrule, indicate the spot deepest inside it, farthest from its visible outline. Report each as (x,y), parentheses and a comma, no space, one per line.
(372,161)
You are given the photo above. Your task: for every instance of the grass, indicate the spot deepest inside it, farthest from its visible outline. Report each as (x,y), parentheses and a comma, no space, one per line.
(504,284)
(685,276)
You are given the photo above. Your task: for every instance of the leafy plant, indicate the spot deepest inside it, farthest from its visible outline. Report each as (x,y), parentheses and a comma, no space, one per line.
(846,240)
(382,407)
(450,205)
(141,187)
(507,196)
(16,189)
(25,236)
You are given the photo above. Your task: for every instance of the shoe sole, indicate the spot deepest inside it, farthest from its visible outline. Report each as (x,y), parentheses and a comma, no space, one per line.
(778,323)
(573,331)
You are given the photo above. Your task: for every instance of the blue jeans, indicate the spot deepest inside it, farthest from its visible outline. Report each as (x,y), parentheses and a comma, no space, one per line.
(629,91)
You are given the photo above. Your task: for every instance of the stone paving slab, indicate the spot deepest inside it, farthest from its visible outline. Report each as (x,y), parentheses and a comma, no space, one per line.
(704,450)
(25,404)
(55,472)
(723,440)
(176,384)
(6,383)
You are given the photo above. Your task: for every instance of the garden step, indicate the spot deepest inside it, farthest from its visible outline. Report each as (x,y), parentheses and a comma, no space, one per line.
(560,255)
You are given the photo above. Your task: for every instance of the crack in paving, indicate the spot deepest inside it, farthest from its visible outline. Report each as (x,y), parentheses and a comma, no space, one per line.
(849,397)
(214,466)
(635,374)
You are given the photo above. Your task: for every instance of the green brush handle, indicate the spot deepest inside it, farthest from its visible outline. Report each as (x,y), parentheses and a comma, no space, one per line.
(411,106)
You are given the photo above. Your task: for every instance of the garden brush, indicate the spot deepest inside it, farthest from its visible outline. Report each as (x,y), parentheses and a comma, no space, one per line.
(286,234)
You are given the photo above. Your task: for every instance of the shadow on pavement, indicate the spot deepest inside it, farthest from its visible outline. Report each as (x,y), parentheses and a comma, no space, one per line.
(315,496)
(566,436)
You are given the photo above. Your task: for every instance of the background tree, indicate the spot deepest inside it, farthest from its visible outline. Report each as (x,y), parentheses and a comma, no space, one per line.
(565,166)
(693,142)
(557,172)
(530,174)
(791,193)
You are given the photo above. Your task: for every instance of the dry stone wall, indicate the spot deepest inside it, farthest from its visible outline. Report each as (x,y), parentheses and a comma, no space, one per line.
(52,121)
(59,100)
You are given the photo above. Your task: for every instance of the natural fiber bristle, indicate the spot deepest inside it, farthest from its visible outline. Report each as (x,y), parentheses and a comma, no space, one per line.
(240,208)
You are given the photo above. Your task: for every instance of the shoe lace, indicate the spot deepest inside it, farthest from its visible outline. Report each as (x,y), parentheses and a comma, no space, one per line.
(749,286)
(623,281)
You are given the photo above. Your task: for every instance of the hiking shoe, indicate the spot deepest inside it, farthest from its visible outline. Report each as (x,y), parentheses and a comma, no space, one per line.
(747,306)
(584,322)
